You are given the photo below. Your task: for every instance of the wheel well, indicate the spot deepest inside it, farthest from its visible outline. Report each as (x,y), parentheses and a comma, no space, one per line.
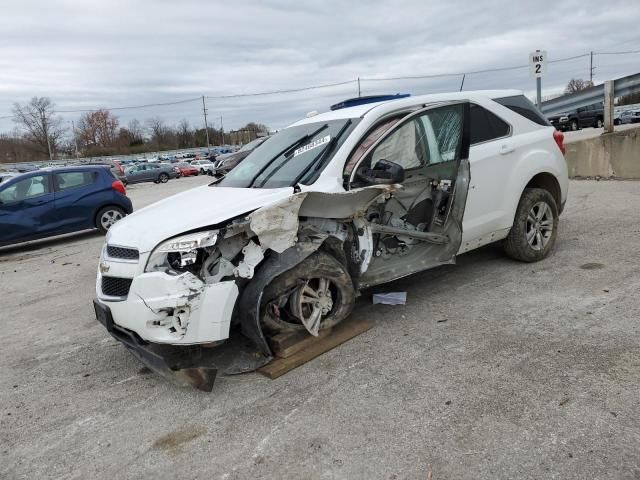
(550,183)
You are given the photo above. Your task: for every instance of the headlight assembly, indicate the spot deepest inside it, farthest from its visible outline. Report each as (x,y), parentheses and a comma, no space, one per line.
(179,253)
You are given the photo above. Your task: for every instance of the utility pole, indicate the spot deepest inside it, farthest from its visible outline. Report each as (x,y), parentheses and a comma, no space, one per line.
(591,67)
(222,129)
(359,92)
(206,127)
(462,82)
(46,133)
(75,139)
(609,97)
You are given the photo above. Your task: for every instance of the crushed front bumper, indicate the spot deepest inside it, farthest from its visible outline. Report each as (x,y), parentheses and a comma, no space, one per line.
(178,364)
(186,365)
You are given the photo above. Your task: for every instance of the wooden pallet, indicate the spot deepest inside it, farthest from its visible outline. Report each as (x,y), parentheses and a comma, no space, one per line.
(297,348)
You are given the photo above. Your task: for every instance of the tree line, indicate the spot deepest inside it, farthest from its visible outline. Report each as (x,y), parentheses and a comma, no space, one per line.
(41,134)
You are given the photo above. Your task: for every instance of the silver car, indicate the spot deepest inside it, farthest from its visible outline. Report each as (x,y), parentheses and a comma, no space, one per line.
(150,172)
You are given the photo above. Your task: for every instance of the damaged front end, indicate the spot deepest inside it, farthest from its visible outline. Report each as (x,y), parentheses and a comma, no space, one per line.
(195,290)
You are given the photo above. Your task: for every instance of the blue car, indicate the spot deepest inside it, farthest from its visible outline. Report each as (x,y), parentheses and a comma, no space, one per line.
(56,201)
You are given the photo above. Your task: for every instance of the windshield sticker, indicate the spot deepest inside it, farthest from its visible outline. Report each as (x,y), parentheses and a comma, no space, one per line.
(312,145)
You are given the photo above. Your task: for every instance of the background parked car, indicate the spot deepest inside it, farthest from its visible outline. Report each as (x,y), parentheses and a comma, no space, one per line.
(61,200)
(187,170)
(628,116)
(150,172)
(4,176)
(117,169)
(204,166)
(589,116)
(227,162)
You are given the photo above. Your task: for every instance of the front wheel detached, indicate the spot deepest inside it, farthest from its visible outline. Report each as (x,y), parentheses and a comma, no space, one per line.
(316,294)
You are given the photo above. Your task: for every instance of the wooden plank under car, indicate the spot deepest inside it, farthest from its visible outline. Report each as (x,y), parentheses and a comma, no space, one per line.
(296,349)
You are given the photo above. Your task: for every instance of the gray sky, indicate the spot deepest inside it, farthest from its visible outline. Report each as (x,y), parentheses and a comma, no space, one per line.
(110,53)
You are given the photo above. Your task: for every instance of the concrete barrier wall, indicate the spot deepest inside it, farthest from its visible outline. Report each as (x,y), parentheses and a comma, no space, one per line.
(614,155)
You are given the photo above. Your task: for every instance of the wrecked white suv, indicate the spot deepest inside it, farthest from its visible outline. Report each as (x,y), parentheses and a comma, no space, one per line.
(371,191)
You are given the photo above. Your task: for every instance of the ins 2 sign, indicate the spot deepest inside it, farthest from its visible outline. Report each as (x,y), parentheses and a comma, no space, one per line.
(537,61)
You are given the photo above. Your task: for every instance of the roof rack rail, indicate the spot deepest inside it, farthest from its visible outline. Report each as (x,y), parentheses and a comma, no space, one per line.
(353,102)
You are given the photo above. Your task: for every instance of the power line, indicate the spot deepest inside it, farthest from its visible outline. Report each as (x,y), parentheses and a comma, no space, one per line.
(292,90)
(131,107)
(616,53)
(459,74)
(335,84)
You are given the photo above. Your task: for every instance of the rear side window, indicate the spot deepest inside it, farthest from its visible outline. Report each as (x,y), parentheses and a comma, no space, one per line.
(522,106)
(68,180)
(486,126)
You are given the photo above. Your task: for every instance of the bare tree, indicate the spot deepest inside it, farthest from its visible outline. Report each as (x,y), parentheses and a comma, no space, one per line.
(39,124)
(97,130)
(577,84)
(184,134)
(136,132)
(161,135)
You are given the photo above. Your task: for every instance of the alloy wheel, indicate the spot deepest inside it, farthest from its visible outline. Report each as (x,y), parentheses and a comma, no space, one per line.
(312,301)
(539,226)
(110,217)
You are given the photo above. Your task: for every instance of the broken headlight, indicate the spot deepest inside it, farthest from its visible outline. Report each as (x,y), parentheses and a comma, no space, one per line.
(181,253)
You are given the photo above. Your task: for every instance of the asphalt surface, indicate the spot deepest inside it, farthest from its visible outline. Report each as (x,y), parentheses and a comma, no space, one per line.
(493,369)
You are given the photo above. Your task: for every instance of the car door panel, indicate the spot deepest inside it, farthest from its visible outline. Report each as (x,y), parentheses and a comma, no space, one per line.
(75,206)
(420,225)
(29,218)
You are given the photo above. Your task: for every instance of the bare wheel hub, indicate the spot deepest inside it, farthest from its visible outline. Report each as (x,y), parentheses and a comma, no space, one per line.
(312,301)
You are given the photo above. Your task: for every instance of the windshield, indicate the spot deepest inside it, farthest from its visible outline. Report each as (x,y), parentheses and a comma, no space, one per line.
(274,164)
(252,144)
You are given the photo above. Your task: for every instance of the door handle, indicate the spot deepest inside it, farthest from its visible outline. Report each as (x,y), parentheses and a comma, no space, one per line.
(505,149)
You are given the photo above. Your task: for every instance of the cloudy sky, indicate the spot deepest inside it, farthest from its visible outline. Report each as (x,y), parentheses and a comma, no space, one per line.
(88,54)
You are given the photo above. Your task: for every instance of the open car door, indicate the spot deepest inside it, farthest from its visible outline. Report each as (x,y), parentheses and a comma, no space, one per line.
(419,225)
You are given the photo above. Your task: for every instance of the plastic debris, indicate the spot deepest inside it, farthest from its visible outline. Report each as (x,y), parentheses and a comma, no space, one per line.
(390,298)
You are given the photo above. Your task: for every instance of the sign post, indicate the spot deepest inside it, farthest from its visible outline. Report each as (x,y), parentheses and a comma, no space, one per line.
(537,66)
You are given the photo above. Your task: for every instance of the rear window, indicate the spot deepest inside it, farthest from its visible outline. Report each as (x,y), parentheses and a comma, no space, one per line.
(522,106)
(485,126)
(68,180)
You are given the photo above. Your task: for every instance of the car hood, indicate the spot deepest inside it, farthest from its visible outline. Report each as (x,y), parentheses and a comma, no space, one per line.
(190,210)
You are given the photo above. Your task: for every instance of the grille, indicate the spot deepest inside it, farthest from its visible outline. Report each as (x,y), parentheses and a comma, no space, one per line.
(115,286)
(124,253)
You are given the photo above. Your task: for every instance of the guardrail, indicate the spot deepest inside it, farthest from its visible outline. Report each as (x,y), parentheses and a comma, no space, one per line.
(589,96)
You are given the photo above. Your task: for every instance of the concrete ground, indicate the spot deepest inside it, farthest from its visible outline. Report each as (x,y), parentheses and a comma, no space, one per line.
(493,369)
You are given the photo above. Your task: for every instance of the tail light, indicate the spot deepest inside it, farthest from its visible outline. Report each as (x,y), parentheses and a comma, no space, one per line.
(117,164)
(118,186)
(559,138)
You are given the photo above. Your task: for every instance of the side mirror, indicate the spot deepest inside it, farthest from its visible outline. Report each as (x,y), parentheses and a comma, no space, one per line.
(384,172)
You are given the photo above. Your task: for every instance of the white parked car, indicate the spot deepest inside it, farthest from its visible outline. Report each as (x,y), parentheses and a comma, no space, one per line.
(205,166)
(333,204)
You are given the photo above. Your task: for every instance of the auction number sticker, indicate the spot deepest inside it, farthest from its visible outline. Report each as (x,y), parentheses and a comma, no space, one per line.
(310,146)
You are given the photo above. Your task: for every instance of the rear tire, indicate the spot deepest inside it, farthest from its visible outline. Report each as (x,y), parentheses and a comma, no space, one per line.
(535,226)
(574,125)
(107,216)
(599,123)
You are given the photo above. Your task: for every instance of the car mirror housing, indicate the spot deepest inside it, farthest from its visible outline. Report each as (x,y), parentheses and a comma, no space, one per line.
(384,172)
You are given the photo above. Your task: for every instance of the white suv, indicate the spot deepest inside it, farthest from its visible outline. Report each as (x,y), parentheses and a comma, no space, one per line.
(371,191)
(205,166)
